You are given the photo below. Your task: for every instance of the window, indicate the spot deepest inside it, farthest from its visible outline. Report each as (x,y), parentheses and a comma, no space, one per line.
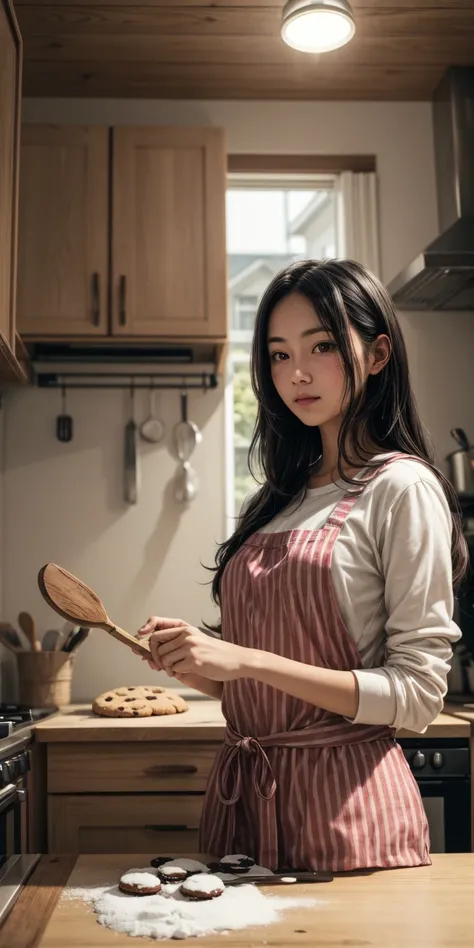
(244,312)
(271,221)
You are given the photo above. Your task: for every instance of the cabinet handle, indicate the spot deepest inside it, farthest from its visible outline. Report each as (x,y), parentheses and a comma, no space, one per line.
(165,827)
(95,299)
(170,769)
(123,300)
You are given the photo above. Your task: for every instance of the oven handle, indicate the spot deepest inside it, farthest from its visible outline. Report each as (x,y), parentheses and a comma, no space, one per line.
(8,796)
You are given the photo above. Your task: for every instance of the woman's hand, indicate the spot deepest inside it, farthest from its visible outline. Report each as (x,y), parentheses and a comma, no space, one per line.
(180,649)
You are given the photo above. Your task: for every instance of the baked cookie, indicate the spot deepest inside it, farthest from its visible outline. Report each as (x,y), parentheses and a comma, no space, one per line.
(191,866)
(172,874)
(138,701)
(202,886)
(236,863)
(140,882)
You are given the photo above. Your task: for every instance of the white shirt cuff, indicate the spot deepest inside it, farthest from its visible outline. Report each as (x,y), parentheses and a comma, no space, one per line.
(377,700)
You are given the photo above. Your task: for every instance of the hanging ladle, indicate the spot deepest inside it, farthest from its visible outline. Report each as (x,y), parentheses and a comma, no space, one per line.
(186,434)
(187,484)
(152,428)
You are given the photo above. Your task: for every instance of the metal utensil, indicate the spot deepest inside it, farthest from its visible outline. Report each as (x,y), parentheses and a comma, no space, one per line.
(50,640)
(64,422)
(152,428)
(186,433)
(281,878)
(461,438)
(131,474)
(461,465)
(75,640)
(27,625)
(64,633)
(67,639)
(73,600)
(187,484)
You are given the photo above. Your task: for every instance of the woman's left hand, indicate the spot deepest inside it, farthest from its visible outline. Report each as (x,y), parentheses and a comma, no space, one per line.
(184,649)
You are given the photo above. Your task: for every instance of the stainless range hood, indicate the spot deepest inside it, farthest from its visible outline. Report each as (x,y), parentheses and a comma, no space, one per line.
(442,276)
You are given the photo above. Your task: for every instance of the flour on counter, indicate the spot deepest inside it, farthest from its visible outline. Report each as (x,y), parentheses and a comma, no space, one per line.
(170,915)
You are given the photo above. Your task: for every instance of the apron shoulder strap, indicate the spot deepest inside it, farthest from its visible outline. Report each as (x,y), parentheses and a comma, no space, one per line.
(344,507)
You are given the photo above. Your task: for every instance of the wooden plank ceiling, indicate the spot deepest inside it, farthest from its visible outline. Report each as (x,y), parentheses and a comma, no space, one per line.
(231,49)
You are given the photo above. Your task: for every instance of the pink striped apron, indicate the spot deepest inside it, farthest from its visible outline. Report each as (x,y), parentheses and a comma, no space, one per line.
(294,785)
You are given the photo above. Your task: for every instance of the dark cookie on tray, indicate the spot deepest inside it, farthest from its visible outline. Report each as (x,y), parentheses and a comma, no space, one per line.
(158,861)
(172,874)
(235,863)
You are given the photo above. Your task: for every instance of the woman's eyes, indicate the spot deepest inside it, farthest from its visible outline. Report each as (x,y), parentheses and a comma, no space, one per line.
(326,346)
(322,348)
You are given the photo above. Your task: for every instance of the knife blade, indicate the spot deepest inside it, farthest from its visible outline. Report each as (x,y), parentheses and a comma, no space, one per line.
(281,878)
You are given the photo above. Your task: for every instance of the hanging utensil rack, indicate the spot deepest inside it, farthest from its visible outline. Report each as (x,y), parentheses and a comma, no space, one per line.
(121,380)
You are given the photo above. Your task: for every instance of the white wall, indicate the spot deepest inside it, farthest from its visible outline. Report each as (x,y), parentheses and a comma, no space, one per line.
(64,502)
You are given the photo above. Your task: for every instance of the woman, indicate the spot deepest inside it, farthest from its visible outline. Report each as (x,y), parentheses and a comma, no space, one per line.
(335,591)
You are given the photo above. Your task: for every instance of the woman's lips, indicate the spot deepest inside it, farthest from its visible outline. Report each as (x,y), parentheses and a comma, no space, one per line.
(307,400)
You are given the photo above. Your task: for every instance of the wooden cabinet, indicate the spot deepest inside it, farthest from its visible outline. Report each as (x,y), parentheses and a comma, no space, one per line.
(63,226)
(168,233)
(109,796)
(125,823)
(10,106)
(164,224)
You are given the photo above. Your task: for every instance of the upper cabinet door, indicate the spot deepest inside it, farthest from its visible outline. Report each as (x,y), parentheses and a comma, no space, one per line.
(10,101)
(168,232)
(63,231)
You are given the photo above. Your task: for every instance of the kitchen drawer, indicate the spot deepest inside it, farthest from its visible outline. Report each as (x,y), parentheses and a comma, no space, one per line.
(123,823)
(114,767)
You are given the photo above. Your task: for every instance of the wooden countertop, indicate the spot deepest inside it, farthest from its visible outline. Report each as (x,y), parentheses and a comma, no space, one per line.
(417,908)
(202,722)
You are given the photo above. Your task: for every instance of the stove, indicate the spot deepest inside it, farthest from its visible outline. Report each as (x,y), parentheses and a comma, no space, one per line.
(16,863)
(13,717)
(441,767)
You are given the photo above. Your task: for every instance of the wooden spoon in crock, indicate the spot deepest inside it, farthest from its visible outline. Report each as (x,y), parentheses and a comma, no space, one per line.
(73,600)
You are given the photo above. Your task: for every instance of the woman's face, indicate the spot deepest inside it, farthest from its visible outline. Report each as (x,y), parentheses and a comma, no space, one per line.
(306,367)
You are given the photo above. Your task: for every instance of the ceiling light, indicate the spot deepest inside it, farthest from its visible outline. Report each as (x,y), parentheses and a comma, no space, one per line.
(317,26)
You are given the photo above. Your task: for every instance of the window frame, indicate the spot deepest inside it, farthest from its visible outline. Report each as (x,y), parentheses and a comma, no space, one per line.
(244,170)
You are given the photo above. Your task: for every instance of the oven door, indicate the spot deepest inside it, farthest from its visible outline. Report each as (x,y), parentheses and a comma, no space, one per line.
(13,820)
(448,807)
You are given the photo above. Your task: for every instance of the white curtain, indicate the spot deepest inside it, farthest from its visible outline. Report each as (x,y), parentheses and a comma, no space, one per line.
(357,218)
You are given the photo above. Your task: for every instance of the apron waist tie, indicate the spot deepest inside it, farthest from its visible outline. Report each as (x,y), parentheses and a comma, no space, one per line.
(229,776)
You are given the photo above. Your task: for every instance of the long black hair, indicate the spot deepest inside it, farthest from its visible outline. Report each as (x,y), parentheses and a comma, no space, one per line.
(383,413)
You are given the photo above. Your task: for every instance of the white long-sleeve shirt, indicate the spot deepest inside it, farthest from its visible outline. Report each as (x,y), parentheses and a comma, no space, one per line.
(392,577)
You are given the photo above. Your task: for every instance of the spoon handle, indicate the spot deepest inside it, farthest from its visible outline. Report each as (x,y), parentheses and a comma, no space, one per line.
(126,639)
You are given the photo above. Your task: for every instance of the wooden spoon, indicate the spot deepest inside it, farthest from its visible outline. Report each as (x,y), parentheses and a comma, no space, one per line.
(27,625)
(73,600)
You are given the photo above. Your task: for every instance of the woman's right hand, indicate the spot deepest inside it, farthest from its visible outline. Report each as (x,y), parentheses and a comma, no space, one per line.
(211,688)
(153,624)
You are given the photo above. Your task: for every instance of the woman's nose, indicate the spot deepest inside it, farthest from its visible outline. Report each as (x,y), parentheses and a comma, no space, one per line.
(301,375)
